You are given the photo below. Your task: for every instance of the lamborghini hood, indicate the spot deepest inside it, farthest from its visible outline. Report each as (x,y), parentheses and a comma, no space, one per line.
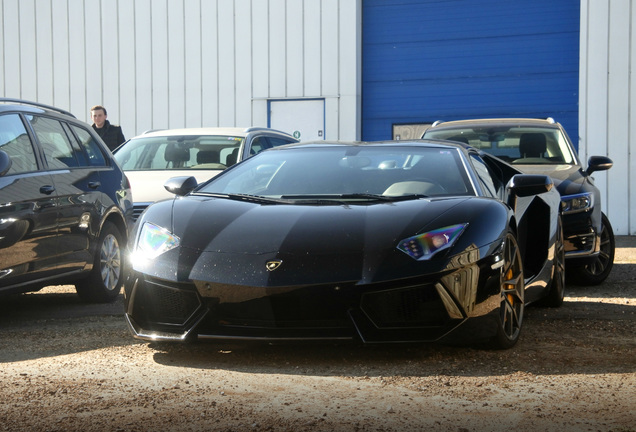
(242,243)
(234,227)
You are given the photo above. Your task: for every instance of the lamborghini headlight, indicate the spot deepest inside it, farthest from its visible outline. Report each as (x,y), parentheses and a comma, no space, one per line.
(577,203)
(424,246)
(154,241)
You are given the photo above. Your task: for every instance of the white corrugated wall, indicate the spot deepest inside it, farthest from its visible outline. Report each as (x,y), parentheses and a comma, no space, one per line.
(607,124)
(175,63)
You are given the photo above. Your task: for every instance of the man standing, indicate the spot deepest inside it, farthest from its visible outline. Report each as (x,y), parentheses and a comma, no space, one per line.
(112,135)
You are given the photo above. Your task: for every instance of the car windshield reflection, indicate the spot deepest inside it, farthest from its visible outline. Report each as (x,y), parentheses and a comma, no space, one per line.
(333,173)
(179,152)
(516,145)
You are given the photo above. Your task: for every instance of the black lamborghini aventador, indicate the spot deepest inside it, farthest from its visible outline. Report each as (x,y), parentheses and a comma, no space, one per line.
(377,242)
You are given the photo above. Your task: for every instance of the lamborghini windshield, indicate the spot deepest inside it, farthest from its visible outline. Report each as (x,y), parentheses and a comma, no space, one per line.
(346,172)
(517,145)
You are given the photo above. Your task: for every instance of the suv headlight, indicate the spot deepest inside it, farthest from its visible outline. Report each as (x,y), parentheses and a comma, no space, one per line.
(577,203)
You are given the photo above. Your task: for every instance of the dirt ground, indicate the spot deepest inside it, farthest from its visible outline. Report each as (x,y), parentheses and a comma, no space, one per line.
(65,366)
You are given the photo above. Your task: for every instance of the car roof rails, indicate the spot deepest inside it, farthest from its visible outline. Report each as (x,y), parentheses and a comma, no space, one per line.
(550,120)
(436,122)
(265,129)
(36,104)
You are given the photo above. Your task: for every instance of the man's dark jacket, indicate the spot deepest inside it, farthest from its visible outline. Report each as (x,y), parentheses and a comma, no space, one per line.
(112,135)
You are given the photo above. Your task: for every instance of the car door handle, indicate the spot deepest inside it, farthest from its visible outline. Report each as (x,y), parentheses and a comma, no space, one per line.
(47,189)
(94,184)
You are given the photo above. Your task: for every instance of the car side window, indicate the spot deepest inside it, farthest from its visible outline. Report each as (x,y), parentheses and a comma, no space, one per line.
(275,142)
(58,150)
(15,141)
(258,145)
(489,183)
(89,146)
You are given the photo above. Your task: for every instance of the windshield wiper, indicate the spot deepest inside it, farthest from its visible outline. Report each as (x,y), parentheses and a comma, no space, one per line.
(243,197)
(311,198)
(352,196)
(332,197)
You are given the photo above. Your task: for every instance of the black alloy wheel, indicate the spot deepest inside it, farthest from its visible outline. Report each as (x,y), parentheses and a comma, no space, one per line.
(510,314)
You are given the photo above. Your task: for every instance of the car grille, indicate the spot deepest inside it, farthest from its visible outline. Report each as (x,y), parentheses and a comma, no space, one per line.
(417,306)
(138,209)
(169,303)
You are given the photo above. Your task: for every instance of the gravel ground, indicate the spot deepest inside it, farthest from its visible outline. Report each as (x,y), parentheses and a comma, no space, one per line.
(66,366)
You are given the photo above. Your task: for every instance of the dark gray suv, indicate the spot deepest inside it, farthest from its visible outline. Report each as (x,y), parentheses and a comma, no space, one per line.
(541,146)
(65,204)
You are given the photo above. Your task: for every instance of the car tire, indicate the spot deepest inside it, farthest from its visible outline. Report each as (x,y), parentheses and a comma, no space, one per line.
(510,313)
(105,280)
(556,292)
(598,270)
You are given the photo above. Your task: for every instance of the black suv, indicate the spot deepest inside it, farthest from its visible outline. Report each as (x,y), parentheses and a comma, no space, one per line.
(541,146)
(65,204)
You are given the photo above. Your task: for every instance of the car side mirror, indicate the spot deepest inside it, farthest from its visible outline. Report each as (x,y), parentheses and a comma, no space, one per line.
(522,185)
(5,163)
(598,163)
(530,184)
(181,186)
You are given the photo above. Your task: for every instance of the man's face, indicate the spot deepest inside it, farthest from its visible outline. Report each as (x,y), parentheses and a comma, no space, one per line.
(98,117)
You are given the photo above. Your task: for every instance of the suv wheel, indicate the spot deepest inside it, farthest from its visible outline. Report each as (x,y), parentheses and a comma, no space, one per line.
(599,269)
(104,282)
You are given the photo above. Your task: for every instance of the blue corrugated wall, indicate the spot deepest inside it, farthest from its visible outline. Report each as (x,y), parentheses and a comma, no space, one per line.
(427,60)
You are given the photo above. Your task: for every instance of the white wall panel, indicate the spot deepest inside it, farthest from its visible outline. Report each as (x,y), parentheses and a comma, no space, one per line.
(78,69)
(44,52)
(608,49)
(259,112)
(60,42)
(176,64)
(169,63)
(311,50)
(28,47)
(631,172)
(160,81)
(618,114)
(3,37)
(294,49)
(11,49)
(110,57)
(243,64)
(143,100)
(277,49)
(209,64)
(227,62)
(350,79)
(260,49)
(330,47)
(192,66)
(95,36)
(332,120)
(127,71)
